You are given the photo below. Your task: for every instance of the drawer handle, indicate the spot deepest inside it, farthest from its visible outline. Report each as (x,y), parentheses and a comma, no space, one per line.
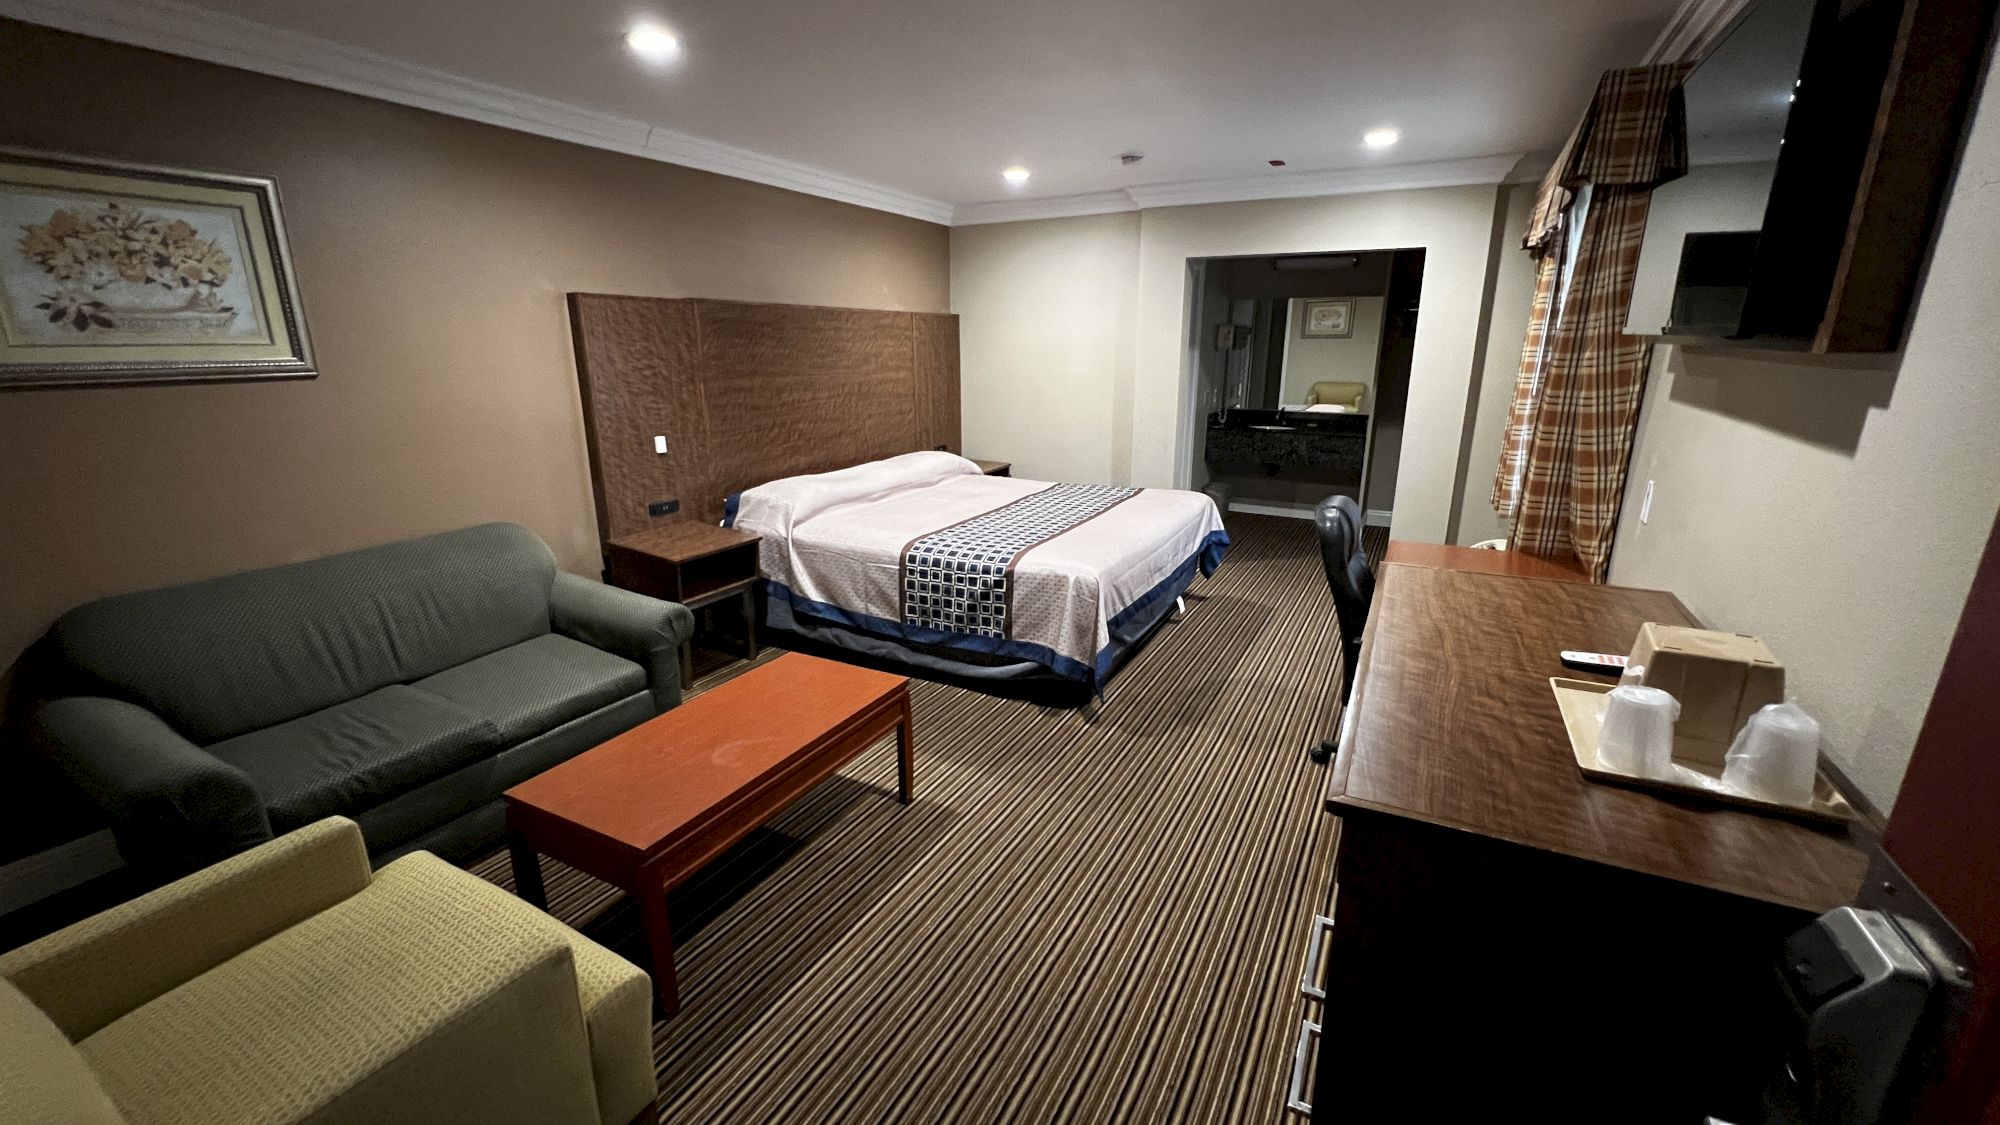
(1295,1099)
(1309,984)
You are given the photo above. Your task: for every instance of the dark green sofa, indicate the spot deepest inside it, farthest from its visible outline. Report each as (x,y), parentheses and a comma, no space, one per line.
(405,686)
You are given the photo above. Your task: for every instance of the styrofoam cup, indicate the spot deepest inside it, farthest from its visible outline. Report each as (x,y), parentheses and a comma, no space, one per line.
(1775,757)
(1638,733)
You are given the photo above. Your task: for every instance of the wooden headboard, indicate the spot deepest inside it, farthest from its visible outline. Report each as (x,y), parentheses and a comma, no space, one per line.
(746,393)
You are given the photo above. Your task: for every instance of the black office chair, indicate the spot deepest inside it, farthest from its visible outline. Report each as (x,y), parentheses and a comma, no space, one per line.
(1348,507)
(1338,540)
(1352,584)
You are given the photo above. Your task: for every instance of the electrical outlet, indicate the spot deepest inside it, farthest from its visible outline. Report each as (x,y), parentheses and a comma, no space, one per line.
(663,507)
(1646,505)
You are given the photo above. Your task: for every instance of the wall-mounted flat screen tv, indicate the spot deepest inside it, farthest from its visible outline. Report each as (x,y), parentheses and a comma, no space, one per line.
(1779,119)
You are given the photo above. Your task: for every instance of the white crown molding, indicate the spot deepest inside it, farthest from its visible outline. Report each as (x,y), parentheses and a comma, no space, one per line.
(217,37)
(1052,207)
(1341,181)
(1275,185)
(181,29)
(1694,30)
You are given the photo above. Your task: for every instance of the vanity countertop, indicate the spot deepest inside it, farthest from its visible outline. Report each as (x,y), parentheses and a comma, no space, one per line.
(1287,421)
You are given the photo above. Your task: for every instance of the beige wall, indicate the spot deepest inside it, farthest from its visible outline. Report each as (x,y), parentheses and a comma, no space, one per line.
(1350,359)
(1837,513)
(1151,417)
(1454,225)
(1044,313)
(432,255)
(1513,285)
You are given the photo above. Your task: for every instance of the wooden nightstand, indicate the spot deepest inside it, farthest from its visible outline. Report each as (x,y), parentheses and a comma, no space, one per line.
(695,564)
(994,468)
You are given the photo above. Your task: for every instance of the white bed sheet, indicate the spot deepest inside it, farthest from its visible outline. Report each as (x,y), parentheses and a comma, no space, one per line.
(834,543)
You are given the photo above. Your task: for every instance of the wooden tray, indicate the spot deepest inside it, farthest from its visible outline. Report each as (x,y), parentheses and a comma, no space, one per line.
(1582,704)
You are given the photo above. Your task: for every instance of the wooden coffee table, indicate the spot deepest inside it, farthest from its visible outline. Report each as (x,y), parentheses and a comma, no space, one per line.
(648,808)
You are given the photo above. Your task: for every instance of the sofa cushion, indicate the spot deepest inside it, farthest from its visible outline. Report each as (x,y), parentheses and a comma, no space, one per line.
(537,685)
(44,1077)
(461,816)
(357,754)
(242,652)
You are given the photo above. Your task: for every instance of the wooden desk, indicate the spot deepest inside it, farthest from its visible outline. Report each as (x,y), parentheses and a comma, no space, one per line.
(1521,563)
(650,807)
(1513,939)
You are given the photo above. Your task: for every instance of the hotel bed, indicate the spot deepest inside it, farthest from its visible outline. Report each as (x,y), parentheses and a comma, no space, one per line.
(922,559)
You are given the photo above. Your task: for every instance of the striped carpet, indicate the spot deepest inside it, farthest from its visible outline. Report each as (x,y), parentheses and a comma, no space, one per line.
(1081,919)
(1375,544)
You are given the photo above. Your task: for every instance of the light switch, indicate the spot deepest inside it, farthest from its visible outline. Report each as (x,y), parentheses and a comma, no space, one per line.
(660,443)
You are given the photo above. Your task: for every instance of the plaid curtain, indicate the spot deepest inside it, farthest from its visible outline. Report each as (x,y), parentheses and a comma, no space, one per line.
(1561,475)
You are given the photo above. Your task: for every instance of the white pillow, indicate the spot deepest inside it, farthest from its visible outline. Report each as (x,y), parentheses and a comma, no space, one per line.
(774,509)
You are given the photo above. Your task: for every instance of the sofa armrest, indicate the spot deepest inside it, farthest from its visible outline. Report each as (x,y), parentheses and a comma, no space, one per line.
(45,1077)
(105,966)
(514,1052)
(644,630)
(173,806)
(419,999)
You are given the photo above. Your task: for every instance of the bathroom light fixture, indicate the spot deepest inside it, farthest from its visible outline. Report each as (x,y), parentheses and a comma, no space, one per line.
(1016,175)
(1319,262)
(653,43)
(1380,138)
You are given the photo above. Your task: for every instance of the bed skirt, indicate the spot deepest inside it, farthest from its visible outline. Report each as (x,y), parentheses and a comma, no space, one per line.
(975,660)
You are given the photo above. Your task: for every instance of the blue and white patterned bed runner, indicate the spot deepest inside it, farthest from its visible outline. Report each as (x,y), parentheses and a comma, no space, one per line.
(960,578)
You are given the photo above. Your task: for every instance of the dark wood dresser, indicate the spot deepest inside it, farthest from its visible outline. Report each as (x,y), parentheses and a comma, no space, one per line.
(1511,940)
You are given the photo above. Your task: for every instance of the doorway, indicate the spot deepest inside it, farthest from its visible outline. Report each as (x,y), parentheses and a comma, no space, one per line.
(1300,371)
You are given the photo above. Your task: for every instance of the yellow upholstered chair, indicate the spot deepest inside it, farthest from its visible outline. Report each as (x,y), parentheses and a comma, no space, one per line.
(1336,393)
(291,984)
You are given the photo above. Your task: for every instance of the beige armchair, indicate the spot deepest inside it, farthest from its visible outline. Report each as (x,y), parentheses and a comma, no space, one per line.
(291,984)
(1335,392)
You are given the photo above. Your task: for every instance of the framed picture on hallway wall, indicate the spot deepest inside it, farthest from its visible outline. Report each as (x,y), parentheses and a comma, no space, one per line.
(1328,320)
(123,273)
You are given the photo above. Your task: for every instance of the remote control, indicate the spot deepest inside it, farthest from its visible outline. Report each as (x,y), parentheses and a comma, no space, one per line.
(1602,663)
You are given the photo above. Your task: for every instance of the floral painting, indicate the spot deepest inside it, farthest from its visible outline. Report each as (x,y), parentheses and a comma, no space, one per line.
(119,269)
(118,274)
(1328,320)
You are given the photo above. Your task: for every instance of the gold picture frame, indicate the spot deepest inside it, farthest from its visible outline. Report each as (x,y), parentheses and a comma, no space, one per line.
(1328,320)
(120,274)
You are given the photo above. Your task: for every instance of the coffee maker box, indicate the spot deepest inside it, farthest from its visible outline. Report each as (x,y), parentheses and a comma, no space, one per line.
(1720,679)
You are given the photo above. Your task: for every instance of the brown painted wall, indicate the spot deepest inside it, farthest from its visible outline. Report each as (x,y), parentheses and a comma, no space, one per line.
(432,256)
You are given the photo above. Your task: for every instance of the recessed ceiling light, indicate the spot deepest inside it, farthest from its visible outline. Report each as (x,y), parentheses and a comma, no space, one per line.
(1016,175)
(1380,138)
(653,43)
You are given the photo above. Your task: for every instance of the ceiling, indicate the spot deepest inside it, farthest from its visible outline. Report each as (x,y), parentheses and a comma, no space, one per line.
(916,105)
